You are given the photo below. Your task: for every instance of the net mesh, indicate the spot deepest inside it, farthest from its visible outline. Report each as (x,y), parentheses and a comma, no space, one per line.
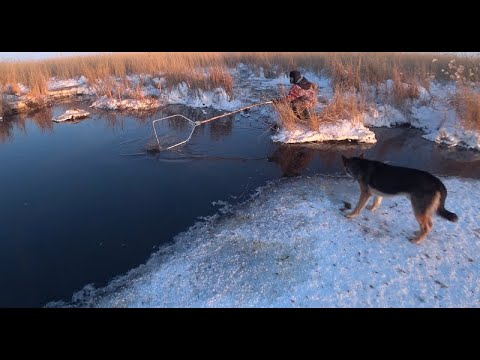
(173,131)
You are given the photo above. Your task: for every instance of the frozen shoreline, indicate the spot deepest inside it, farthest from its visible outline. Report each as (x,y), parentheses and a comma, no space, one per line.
(291,246)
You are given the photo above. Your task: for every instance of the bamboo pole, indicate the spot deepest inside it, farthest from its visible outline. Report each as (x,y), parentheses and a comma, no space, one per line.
(233,112)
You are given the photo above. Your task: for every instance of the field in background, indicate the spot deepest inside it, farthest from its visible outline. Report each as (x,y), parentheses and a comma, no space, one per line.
(350,72)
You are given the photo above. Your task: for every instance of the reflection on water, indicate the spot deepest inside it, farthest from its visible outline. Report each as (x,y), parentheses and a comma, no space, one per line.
(7,127)
(43,119)
(406,147)
(112,120)
(221,128)
(6,130)
(90,199)
(397,146)
(293,160)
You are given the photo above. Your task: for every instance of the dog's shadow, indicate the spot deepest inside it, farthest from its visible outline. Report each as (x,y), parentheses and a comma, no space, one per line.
(342,192)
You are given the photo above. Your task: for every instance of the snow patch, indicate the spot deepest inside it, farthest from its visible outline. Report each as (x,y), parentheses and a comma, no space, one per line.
(384,116)
(344,130)
(72,114)
(107,103)
(56,84)
(216,98)
(454,136)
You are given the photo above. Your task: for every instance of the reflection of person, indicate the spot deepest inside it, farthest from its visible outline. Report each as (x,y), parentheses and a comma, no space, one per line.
(293,160)
(302,95)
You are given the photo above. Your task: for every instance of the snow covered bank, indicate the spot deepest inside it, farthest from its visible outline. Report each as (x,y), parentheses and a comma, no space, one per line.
(443,125)
(107,103)
(384,116)
(217,98)
(291,246)
(433,113)
(22,101)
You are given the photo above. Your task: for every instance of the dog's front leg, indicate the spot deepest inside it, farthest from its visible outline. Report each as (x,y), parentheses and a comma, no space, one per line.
(362,201)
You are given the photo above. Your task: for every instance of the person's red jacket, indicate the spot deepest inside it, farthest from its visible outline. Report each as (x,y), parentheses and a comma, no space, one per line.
(309,97)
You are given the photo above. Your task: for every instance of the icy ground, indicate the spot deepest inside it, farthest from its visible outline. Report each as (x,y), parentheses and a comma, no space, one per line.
(291,246)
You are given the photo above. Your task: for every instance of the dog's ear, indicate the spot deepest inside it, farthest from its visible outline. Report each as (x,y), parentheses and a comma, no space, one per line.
(362,156)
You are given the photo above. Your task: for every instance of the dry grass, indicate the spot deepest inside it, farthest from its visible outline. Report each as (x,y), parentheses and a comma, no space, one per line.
(208,70)
(345,105)
(403,89)
(467,104)
(289,120)
(346,72)
(176,67)
(220,77)
(347,69)
(4,107)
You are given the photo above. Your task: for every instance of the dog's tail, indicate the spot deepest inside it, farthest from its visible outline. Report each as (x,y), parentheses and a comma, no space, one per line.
(441,207)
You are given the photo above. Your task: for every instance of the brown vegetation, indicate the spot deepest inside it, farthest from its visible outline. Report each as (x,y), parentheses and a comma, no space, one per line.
(346,105)
(467,104)
(350,72)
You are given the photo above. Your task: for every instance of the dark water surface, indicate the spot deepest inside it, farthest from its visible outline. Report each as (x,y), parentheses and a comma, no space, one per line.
(82,203)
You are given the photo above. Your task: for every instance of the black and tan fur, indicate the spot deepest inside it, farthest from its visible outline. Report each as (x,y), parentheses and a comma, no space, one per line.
(426,192)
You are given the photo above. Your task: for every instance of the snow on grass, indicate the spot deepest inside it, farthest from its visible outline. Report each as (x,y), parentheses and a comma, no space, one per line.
(441,122)
(384,116)
(454,135)
(344,130)
(292,246)
(432,112)
(107,103)
(387,89)
(217,98)
(56,84)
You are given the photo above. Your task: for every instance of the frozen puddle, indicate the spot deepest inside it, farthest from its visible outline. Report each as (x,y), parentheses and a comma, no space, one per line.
(291,246)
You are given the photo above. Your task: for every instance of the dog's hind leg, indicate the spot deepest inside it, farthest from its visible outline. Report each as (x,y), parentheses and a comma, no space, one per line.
(426,225)
(423,208)
(376,203)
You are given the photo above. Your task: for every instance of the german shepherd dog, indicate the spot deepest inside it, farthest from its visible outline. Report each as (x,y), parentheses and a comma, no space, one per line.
(426,192)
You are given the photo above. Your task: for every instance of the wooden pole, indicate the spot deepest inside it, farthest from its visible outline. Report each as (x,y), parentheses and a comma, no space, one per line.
(233,112)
